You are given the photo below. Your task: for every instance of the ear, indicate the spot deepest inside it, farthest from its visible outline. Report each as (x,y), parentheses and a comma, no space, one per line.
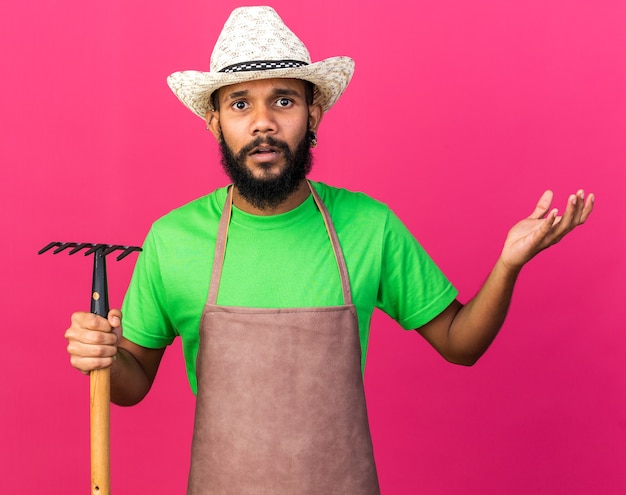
(315,116)
(213,123)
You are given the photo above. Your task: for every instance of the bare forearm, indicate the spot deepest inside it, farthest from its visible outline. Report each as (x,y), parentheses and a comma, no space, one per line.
(462,334)
(477,323)
(129,382)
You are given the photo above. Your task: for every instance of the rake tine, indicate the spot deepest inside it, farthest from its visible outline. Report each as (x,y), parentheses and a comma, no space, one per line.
(80,246)
(128,250)
(49,246)
(96,248)
(110,249)
(63,247)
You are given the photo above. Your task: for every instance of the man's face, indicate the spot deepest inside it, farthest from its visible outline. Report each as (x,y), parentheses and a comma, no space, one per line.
(262,127)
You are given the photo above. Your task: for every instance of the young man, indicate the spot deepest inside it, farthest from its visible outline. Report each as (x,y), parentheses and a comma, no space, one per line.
(275,330)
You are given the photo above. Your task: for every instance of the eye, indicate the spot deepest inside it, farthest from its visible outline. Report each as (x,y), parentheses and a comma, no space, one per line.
(239,105)
(284,102)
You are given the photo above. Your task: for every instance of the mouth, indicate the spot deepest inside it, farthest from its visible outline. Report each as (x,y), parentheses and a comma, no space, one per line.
(264,150)
(265,155)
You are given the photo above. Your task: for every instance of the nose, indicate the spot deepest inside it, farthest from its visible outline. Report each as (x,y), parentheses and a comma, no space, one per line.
(263,121)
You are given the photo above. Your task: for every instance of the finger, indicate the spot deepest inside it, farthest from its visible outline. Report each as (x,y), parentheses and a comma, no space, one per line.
(541,237)
(115,318)
(90,321)
(80,349)
(545,236)
(567,222)
(552,219)
(543,205)
(90,337)
(580,209)
(86,365)
(588,208)
(87,357)
(571,218)
(580,205)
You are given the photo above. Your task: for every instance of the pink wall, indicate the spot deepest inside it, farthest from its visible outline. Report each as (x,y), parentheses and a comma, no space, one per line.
(459,115)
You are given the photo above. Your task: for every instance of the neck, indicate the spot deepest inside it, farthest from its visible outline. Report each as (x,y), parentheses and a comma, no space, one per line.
(294,200)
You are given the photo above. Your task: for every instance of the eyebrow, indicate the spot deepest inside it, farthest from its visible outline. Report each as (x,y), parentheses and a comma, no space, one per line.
(236,94)
(275,92)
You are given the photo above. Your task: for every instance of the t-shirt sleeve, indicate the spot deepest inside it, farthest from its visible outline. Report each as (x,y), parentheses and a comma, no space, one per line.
(145,319)
(412,290)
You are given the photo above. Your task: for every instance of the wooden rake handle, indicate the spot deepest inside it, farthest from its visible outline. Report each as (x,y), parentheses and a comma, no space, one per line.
(100,391)
(99,430)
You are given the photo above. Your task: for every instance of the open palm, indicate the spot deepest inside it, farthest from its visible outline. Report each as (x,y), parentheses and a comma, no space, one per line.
(544,228)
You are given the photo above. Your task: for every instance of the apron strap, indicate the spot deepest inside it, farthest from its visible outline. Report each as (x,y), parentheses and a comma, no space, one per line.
(220,248)
(222,235)
(332,233)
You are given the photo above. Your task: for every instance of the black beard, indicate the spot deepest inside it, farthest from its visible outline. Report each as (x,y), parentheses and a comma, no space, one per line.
(271,192)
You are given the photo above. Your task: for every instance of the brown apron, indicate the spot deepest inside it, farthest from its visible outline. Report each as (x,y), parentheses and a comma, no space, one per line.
(280,406)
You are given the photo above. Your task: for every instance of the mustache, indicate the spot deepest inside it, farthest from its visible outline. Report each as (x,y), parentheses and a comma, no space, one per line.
(268,141)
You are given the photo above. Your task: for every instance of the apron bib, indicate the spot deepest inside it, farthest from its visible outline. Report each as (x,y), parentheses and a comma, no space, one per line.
(280,406)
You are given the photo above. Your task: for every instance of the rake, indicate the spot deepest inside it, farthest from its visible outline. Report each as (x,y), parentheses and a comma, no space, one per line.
(99,380)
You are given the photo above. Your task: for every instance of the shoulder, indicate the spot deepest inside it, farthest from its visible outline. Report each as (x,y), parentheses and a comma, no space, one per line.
(345,203)
(361,221)
(187,229)
(202,211)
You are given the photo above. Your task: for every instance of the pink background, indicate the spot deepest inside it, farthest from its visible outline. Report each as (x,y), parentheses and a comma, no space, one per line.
(459,115)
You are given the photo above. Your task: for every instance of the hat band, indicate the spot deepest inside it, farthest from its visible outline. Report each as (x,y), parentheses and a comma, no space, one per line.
(263,65)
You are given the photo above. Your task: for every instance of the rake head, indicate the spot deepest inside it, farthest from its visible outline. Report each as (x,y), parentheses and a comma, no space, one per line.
(106,249)
(99,287)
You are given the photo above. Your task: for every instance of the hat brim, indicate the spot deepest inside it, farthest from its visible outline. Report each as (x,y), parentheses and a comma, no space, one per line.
(330,76)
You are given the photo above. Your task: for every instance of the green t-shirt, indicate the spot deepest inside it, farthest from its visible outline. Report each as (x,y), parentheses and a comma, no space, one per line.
(276,262)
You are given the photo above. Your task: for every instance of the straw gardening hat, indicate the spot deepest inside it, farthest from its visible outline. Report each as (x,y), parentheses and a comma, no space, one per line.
(256,44)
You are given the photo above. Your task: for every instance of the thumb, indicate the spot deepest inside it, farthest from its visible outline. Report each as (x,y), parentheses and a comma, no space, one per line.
(115,320)
(543,205)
